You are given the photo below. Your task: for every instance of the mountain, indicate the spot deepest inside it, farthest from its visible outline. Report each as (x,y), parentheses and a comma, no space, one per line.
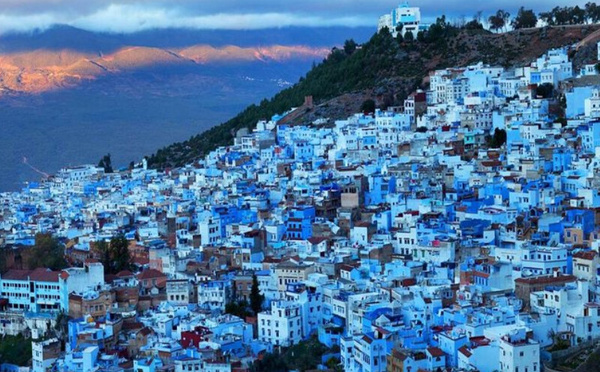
(69,96)
(44,70)
(386,70)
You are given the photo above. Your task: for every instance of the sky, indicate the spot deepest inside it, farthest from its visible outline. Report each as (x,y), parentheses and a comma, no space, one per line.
(137,15)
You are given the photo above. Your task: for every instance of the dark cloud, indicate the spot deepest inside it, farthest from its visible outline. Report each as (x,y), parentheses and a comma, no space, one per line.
(134,15)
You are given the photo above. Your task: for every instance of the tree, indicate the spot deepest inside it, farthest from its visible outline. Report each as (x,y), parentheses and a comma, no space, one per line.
(598,68)
(578,15)
(119,254)
(48,253)
(567,15)
(473,25)
(350,46)
(525,18)
(504,15)
(399,38)
(592,12)
(106,164)
(498,139)
(547,18)
(271,362)
(105,257)
(495,22)
(256,298)
(15,350)
(545,90)
(368,106)
(237,308)
(61,327)
(115,255)
(399,28)
(437,30)
(409,37)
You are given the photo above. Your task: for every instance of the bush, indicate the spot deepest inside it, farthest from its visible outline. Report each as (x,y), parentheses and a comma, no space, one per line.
(15,350)
(368,106)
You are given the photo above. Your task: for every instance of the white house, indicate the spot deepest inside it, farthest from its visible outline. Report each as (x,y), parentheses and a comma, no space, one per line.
(282,325)
(405,15)
(518,352)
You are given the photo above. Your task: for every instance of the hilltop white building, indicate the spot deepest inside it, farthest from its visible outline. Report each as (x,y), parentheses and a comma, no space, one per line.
(409,17)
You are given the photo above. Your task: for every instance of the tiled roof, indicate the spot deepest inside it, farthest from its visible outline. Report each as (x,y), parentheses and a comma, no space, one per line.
(435,352)
(16,275)
(585,255)
(150,274)
(546,279)
(37,275)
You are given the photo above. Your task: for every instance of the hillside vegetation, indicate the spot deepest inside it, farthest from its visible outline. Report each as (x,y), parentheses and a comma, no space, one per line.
(385,69)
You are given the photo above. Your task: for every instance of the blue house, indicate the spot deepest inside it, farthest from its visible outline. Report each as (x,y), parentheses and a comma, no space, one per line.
(379,187)
(226,214)
(299,222)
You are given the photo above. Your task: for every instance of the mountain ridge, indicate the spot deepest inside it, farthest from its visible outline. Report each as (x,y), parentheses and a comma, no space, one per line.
(43,70)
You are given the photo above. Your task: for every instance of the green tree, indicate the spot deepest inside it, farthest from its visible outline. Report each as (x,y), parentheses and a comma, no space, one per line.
(15,350)
(103,250)
(409,37)
(119,254)
(238,308)
(106,164)
(473,25)
(271,362)
(115,255)
(399,28)
(525,18)
(399,38)
(498,139)
(545,90)
(598,68)
(350,46)
(306,355)
(333,364)
(547,18)
(578,15)
(368,106)
(256,298)
(61,328)
(48,253)
(592,12)
(495,23)
(499,20)
(504,15)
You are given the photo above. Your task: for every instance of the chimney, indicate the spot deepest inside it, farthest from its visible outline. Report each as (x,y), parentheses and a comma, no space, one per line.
(308,101)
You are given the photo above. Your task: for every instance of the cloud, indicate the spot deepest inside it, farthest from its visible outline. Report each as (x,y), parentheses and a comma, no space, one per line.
(137,15)
(128,18)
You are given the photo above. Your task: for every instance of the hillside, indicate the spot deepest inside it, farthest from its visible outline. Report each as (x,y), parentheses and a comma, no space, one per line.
(384,69)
